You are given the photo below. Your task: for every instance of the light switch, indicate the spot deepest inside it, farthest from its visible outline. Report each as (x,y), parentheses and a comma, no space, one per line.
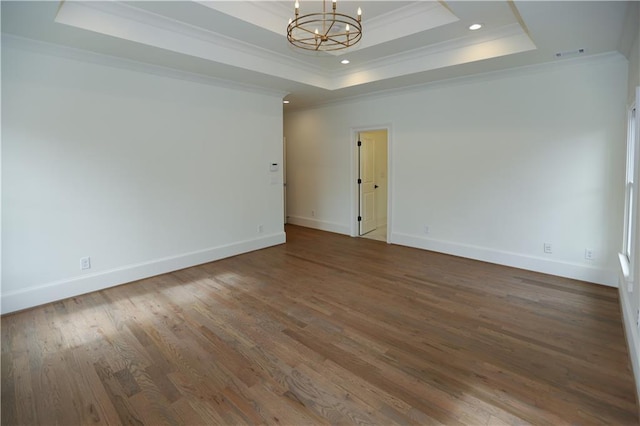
(273,167)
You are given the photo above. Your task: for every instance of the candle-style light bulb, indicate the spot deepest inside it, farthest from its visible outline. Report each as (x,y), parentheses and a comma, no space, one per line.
(346,28)
(359,14)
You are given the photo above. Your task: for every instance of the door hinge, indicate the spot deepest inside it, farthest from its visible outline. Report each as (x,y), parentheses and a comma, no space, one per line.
(359,143)
(359,181)
(359,218)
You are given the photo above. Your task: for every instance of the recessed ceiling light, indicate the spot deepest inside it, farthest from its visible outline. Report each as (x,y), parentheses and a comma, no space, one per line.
(474,27)
(344,61)
(285,102)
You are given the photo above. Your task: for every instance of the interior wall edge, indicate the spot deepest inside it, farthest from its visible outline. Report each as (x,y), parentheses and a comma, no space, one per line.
(586,273)
(309,222)
(58,290)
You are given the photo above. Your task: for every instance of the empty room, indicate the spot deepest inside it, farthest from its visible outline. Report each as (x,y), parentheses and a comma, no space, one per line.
(320,212)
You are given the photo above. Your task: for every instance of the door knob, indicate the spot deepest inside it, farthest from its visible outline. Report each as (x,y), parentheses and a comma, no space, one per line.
(375,186)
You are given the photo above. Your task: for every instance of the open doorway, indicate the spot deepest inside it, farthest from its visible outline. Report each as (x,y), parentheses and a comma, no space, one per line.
(373,187)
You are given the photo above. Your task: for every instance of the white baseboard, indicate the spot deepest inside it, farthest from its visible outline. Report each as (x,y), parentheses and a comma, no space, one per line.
(322,225)
(562,269)
(631,331)
(62,289)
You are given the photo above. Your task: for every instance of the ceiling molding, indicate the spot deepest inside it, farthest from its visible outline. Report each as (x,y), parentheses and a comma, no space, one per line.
(270,15)
(130,23)
(503,41)
(473,78)
(406,42)
(141,26)
(66,52)
(404,21)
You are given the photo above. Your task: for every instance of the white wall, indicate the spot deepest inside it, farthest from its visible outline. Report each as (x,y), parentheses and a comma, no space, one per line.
(495,165)
(143,173)
(318,172)
(634,60)
(630,292)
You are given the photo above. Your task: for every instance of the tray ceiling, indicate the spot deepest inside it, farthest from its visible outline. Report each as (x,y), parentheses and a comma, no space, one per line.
(404,42)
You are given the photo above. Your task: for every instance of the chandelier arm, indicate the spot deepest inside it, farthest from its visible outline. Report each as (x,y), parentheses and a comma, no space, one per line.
(309,40)
(345,44)
(313,46)
(302,29)
(332,23)
(321,39)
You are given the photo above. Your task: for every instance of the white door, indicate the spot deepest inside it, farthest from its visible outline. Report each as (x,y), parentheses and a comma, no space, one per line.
(366,185)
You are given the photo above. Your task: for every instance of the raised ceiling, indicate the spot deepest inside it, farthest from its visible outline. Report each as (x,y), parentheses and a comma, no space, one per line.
(405,43)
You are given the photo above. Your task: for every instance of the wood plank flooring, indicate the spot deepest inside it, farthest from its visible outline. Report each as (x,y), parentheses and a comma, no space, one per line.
(324,329)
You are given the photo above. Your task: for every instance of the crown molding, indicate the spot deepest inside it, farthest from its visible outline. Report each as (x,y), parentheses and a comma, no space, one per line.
(407,20)
(502,33)
(516,71)
(80,55)
(130,23)
(269,15)
(137,25)
(506,40)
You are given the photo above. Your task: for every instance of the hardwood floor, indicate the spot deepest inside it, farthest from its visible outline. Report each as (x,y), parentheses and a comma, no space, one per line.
(324,329)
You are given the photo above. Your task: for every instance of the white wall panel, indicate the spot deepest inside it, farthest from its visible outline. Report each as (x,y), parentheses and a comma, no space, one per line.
(495,165)
(140,172)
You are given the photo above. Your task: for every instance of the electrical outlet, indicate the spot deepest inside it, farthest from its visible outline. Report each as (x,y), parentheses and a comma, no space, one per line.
(548,248)
(589,254)
(260,228)
(426,229)
(85,263)
(313,213)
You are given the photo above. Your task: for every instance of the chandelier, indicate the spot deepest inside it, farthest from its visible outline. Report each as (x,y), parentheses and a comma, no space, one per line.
(324,31)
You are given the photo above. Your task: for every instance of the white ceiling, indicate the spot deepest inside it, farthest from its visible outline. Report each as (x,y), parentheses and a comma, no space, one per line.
(404,43)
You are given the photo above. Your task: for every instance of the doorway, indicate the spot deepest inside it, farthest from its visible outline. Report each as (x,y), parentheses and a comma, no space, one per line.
(373,184)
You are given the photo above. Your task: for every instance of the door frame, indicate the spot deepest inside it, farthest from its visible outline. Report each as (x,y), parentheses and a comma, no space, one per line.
(284,179)
(355,167)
